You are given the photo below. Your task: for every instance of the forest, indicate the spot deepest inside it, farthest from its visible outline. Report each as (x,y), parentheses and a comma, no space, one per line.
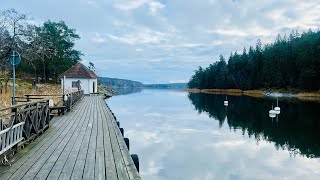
(289,62)
(46,50)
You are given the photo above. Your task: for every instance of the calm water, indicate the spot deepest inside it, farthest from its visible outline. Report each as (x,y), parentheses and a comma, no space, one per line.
(194,136)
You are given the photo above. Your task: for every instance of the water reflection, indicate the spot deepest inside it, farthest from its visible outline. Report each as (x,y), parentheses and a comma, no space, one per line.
(175,142)
(125,91)
(295,129)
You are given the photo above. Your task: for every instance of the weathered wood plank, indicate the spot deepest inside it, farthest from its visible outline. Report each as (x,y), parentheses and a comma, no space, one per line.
(44,149)
(36,147)
(129,164)
(53,170)
(84,144)
(81,158)
(67,169)
(54,150)
(119,162)
(100,170)
(89,170)
(111,172)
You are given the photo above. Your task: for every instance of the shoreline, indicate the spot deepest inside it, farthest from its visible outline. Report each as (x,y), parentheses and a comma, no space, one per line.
(294,93)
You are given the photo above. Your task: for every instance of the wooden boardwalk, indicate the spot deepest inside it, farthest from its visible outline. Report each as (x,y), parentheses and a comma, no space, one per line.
(83,144)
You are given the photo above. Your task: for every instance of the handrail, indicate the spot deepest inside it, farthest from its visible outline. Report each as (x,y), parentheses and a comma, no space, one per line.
(24,121)
(23,104)
(28,120)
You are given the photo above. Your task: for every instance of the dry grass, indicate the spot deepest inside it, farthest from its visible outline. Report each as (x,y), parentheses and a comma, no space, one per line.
(253,93)
(192,90)
(26,88)
(309,94)
(233,92)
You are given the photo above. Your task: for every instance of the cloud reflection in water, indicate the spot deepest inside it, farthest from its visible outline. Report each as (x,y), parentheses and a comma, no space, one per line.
(174,141)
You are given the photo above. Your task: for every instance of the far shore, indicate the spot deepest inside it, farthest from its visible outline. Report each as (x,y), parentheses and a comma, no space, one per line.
(260,93)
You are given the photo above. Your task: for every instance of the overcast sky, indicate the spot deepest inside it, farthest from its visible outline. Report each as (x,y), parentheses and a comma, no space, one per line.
(159,41)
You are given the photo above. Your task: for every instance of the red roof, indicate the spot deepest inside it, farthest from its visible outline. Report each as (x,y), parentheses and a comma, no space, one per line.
(78,71)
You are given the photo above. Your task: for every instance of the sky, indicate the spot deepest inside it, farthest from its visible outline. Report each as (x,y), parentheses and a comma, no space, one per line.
(162,41)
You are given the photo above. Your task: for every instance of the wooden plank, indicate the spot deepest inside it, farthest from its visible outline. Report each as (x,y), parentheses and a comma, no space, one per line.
(111,172)
(34,147)
(53,170)
(24,152)
(100,170)
(81,158)
(67,170)
(86,144)
(89,170)
(54,150)
(51,142)
(129,164)
(119,162)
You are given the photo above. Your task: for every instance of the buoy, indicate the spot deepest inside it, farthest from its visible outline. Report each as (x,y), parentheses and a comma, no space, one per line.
(226,101)
(135,160)
(272,115)
(126,140)
(277,108)
(272,111)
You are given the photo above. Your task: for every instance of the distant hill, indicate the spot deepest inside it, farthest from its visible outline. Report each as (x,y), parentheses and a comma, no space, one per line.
(124,83)
(119,83)
(167,86)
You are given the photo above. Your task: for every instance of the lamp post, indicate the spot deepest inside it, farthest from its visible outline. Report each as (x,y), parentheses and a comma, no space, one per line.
(14,59)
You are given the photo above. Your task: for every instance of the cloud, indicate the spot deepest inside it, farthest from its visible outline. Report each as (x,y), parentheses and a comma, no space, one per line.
(140,36)
(169,38)
(98,38)
(228,32)
(154,7)
(128,5)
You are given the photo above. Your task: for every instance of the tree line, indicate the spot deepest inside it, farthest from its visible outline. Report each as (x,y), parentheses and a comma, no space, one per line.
(248,115)
(288,62)
(46,50)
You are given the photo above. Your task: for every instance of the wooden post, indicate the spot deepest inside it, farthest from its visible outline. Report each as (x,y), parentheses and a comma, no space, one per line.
(28,98)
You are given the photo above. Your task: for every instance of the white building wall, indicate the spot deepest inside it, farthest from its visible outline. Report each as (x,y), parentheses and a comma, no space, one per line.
(86,84)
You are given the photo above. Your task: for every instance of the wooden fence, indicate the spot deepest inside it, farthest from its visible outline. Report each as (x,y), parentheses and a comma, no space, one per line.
(25,121)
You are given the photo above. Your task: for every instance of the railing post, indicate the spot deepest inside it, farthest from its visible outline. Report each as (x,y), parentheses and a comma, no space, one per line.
(1,124)
(28,98)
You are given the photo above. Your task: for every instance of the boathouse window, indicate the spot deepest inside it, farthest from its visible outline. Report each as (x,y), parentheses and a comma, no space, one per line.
(75,84)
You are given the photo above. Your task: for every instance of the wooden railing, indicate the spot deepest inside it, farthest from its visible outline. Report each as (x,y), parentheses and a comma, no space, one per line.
(9,137)
(72,98)
(23,122)
(67,100)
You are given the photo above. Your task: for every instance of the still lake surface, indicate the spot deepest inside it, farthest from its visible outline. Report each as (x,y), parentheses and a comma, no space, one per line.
(178,135)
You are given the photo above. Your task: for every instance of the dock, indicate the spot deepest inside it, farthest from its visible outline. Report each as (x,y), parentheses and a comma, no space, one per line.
(85,143)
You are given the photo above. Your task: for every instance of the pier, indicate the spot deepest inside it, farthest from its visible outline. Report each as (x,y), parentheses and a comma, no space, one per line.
(85,143)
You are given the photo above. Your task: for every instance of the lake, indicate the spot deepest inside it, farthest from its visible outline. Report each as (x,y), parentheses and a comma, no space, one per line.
(178,135)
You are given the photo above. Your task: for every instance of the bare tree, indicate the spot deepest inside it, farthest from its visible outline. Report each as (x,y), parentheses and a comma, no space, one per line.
(12,28)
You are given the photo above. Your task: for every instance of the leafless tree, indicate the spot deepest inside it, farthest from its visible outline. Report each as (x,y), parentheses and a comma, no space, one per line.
(12,28)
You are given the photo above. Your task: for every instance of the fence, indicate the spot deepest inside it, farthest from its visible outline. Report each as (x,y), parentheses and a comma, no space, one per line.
(24,122)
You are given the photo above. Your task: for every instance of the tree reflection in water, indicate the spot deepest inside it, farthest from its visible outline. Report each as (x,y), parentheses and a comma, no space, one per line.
(295,129)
